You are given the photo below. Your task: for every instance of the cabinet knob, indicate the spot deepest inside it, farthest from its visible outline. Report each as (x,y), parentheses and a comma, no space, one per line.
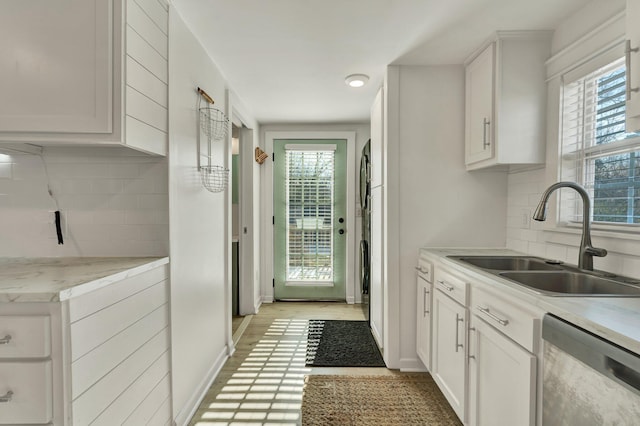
(6,397)
(5,340)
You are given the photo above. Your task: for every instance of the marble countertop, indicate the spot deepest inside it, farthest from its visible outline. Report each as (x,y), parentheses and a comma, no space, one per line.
(53,279)
(613,318)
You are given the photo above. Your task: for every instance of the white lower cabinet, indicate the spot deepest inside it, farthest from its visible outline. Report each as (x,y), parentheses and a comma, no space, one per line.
(502,378)
(449,364)
(99,358)
(484,346)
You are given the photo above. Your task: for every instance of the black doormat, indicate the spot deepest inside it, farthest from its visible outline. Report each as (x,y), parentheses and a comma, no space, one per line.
(338,343)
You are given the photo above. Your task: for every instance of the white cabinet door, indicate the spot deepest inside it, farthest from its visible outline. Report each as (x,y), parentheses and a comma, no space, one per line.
(423,326)
(502,379)
(633,63)
(31,400)
(479,107)
(56,66)
(377,135)
(449,349)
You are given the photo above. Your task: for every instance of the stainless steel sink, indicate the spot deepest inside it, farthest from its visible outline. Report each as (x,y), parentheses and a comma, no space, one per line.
(571,283)
(553,278)
(509,263)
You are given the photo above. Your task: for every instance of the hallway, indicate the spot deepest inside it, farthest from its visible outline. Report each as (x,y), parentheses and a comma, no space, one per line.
(261,384)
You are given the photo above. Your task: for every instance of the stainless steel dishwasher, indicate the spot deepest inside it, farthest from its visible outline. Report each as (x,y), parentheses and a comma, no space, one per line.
(587,380)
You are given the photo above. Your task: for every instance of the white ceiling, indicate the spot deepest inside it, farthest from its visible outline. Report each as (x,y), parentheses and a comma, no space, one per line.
(287,59)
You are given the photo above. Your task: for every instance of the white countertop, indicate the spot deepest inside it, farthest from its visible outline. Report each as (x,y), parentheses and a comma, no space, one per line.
(613,318)
(53,279)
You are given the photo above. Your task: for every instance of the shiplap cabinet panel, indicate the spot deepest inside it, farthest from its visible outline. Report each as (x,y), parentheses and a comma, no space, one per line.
(97,63)
(99,362)
(156,400)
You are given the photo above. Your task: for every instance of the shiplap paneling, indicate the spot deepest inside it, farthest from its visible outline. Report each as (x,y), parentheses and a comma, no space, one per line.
(88,406)
(99,362)
(146,137)
(85,305)
(145,82)
(152,403)
(163,413)
(156,12)
(146,110)
(141,23)
(127,402)
(144,54)
(103,325)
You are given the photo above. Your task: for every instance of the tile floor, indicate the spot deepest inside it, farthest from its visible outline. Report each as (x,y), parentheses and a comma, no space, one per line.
(261,384)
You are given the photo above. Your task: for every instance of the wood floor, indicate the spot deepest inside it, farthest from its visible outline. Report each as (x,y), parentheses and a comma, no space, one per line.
(261,384)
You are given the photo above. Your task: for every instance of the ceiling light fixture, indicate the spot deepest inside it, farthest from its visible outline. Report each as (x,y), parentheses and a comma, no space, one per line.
(356,80)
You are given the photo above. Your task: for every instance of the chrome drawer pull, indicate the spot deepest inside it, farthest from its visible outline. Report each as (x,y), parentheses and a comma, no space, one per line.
(493,316)
(447,286)
(458,319)
(6,397)
(5,340)
(425,311)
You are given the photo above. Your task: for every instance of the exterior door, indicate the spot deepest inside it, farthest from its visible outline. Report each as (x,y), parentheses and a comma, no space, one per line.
(309,219)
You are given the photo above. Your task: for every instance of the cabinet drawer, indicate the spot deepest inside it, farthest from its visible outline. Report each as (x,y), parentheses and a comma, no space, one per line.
(25,337)
(451,285)
(425,269)
(31,384)
(513,318)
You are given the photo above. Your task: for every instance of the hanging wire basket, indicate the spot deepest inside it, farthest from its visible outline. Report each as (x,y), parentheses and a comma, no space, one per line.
(214,123)
(214,178)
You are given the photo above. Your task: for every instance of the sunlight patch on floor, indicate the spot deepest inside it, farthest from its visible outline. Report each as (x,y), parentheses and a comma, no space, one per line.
(266,388)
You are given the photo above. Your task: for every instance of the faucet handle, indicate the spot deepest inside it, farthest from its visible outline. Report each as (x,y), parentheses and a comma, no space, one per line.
(593,251)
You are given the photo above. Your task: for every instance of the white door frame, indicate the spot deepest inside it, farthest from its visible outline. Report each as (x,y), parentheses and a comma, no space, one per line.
(267,208)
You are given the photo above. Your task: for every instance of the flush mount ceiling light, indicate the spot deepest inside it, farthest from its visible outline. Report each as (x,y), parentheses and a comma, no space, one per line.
(356,80)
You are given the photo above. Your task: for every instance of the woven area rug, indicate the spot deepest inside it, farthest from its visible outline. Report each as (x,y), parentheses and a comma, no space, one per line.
(340,343)
(404,399)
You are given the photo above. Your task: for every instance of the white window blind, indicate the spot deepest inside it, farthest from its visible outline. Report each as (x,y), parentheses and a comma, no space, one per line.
(309,181)
(596,151)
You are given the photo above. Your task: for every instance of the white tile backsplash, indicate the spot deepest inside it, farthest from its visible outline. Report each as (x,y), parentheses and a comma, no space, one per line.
(113,201)
(524,191)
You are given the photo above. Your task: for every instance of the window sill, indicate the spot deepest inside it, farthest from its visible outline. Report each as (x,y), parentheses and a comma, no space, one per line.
(616,240)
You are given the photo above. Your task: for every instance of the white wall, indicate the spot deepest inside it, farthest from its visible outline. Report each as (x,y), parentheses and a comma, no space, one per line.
(597,24)
(113,202)
(431,199)
(200,227)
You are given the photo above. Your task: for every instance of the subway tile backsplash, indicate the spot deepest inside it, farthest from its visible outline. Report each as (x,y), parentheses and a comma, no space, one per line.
(114,202)
(528,236)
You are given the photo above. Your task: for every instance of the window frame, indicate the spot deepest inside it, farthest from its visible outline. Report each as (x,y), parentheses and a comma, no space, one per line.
(569,212)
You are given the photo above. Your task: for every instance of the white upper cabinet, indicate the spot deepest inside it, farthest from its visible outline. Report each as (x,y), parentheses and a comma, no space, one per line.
(505,100)
(633,65)
(90,72)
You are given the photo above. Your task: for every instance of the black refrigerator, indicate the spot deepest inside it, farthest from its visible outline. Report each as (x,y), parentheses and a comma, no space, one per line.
(365,254)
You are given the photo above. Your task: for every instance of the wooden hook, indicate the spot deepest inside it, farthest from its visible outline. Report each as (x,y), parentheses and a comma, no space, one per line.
(205,96)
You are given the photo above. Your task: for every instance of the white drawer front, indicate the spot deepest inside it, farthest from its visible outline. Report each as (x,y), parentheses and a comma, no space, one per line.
(425,269)
(25,337)
(451,285)
(507,315)
(31,384)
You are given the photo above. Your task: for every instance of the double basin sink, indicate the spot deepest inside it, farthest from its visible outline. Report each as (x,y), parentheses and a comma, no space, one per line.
(552,278)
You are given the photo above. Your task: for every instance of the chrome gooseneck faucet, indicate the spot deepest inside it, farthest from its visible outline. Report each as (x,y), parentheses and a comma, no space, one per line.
(587,251)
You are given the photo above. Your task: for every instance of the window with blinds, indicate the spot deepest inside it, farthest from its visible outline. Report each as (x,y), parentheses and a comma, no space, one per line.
(309,180)
(596,151)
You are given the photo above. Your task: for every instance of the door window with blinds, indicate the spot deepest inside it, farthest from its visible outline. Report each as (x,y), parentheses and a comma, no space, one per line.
(309,181)
(596,151)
